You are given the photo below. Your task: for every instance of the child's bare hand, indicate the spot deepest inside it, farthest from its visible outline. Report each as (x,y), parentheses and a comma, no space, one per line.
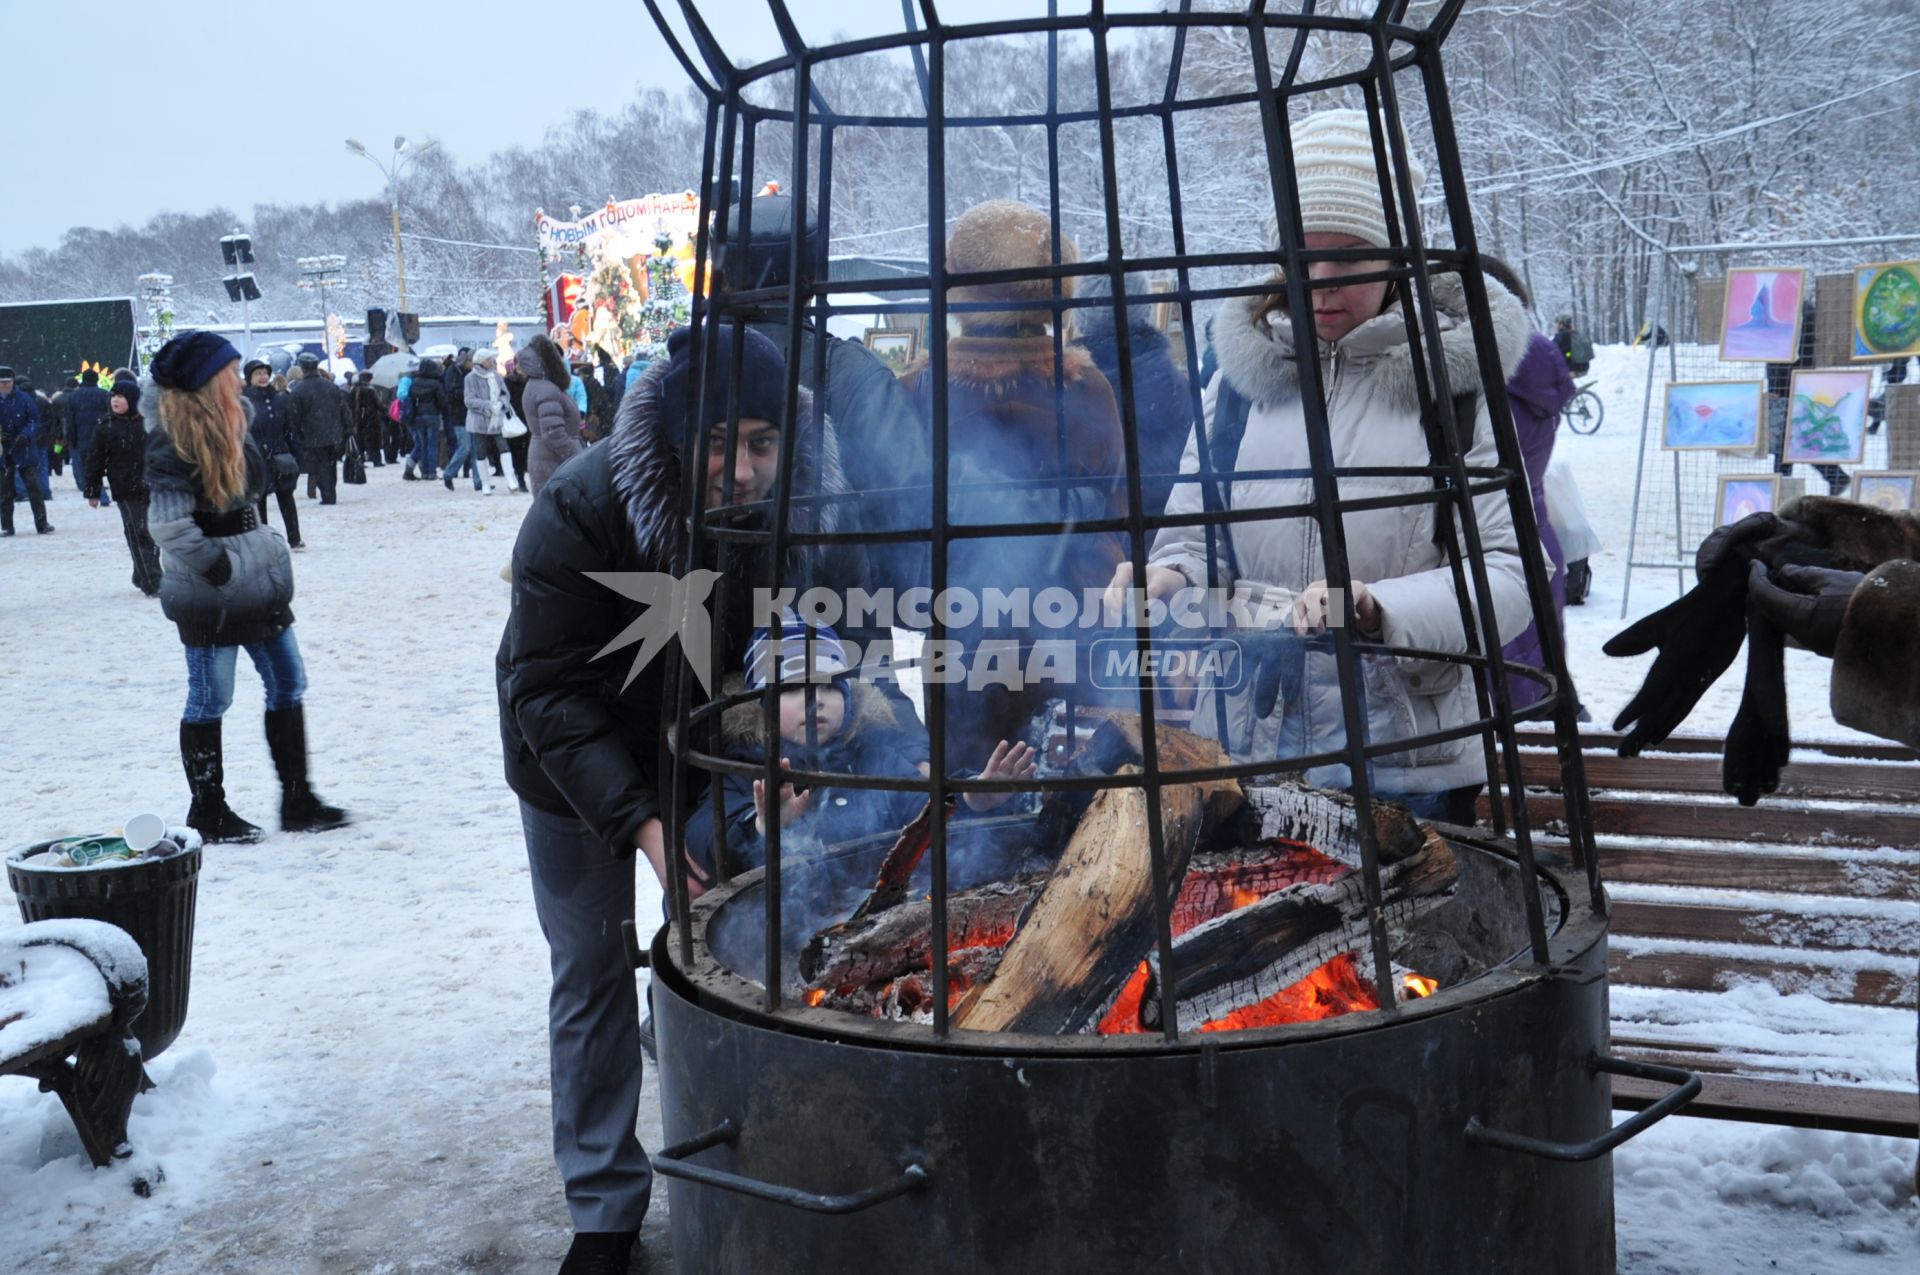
(792,804)
(1009,761)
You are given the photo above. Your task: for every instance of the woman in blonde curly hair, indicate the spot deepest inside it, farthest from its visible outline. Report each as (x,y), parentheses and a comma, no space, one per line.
(226,580)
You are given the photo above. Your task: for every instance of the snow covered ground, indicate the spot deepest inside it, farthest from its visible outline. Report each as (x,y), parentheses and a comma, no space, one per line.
(361,1084)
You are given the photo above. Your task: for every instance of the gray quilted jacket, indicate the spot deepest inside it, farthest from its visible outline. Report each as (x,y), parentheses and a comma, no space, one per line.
(225,578)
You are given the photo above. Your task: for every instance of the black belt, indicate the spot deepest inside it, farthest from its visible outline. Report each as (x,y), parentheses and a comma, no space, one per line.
(233,523)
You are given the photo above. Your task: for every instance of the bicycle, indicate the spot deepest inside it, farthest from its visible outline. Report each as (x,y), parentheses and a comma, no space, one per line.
(1584,413)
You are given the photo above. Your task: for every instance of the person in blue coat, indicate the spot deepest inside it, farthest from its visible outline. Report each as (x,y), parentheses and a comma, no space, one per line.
(19,433)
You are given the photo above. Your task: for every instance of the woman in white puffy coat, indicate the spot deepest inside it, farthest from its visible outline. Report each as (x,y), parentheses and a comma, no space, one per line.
(1403,592)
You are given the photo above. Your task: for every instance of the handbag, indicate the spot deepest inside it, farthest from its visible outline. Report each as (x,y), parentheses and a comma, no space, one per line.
(393,411)
(511,426)
(285,467)
(354,468)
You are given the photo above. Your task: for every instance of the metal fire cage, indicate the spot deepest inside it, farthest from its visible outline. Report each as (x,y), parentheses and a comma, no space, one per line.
(744,107)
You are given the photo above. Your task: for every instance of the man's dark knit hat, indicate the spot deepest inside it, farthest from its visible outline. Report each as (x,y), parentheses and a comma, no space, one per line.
(190,360)
(89,377)
(760,393)
(130,391)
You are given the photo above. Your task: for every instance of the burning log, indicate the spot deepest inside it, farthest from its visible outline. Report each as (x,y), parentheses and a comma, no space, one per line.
(1330,822)
(897,869)
(854,961)
(1248,954)
(1087,929)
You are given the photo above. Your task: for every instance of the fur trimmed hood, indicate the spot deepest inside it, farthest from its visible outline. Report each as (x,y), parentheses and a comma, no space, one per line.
(743,728)
(1258,359)
(648,470)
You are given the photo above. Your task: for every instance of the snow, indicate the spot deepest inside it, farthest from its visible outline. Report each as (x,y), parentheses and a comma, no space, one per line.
(375,998)
(46,993)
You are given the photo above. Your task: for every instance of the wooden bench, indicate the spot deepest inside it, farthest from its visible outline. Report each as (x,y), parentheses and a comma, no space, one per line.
(71,990)
(1815,890)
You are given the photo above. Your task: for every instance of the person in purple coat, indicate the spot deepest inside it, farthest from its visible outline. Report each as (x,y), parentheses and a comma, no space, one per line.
(1538,389)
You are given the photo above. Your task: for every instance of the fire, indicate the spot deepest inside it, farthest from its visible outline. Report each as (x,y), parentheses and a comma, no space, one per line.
(1241,897)
(1334,989)
(1418,985)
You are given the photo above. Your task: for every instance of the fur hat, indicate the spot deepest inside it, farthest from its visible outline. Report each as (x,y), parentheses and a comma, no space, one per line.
(191,359)
(1005,234)
(1339,185)
(128,390)
(246,372)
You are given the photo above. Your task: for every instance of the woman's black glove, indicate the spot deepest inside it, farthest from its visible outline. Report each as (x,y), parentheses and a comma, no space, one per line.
(1697,638)
(1764,536)
(1757,742)
(1808,604)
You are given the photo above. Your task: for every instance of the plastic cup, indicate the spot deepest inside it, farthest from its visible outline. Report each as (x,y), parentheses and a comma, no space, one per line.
(143,831)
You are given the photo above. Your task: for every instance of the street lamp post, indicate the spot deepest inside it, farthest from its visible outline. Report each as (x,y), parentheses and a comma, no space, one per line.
(403,154)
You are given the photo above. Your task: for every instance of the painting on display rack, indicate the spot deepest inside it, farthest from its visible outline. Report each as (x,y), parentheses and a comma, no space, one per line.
(1886,310)
(1886,488)
(1827,417)
(1713,415)
(1744,494)
(1761,323)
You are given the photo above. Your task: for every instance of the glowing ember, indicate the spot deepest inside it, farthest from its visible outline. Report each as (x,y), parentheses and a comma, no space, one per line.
(1211,889)
(1418,985)
(1334,989)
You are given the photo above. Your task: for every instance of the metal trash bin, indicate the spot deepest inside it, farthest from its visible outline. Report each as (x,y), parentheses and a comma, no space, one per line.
(151,899)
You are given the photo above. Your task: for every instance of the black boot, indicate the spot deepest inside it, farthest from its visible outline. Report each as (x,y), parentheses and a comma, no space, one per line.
(209,815)
(600,1253)
(300,809)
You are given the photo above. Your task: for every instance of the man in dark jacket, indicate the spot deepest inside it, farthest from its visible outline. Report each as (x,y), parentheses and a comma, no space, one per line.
(317,410)
(119,457)
(885,444)
(19,429)
(582,736)
(54,426)
(453,388)
(86,411)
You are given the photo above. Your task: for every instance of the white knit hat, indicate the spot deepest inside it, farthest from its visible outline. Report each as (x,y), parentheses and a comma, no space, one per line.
(1338,183)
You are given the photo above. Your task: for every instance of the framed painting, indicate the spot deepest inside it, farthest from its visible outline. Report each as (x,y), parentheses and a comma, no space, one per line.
(1761,321)
(895,346)
(1743,494)
(1714,416)
(1886,488)
(1827,417)
(1886,310)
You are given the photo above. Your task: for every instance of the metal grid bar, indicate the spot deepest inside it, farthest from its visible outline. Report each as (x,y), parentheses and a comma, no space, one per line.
(1457,480)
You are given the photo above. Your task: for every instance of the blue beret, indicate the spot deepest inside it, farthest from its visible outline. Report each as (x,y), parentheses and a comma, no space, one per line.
(189,360)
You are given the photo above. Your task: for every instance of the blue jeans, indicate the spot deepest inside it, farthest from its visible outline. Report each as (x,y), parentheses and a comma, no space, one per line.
(463,453)
(426,448)
(210,676)
(581,893)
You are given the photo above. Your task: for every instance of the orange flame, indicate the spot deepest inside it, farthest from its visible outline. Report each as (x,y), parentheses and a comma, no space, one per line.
(1418,985)
(815,996)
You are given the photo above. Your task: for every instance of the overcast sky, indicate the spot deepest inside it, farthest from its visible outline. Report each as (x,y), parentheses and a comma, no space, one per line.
(120,109)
